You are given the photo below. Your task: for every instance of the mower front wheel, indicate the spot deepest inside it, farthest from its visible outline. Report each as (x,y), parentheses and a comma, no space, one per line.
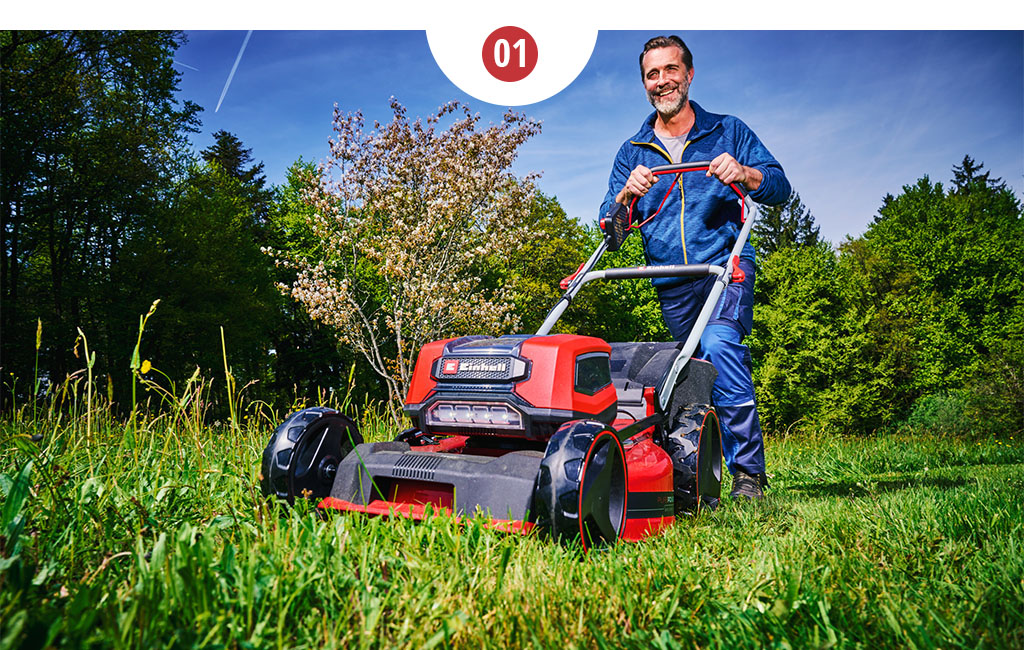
(302,456)
(581,485)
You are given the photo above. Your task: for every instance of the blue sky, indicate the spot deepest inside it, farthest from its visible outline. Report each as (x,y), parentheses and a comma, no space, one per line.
(850,115)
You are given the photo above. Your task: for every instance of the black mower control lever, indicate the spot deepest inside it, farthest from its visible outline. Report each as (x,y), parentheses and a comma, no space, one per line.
(615,226)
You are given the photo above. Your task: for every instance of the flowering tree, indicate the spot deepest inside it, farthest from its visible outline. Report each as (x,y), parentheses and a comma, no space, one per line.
(410,216)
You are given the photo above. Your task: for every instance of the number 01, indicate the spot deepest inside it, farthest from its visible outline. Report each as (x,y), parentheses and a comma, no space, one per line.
(502,52)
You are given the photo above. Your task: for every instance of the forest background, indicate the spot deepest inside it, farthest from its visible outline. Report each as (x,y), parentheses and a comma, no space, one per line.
(916,323)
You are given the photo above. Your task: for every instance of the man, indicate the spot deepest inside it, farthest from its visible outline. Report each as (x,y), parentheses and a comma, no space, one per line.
(698,224)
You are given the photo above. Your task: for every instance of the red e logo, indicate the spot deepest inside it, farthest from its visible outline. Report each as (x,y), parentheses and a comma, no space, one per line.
(451,366)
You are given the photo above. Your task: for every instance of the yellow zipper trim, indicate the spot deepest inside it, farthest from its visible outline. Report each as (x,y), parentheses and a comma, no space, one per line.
(655,147)
(682,195)
(682,205)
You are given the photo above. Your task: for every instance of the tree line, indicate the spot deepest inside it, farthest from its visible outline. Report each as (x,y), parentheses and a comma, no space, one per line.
(417,230)
(105,208)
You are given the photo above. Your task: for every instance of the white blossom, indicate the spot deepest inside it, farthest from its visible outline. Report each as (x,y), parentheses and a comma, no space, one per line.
(406,213)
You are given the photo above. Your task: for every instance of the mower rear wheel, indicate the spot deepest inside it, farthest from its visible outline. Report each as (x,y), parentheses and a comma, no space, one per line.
(695,445)
(581,485)
(302,456)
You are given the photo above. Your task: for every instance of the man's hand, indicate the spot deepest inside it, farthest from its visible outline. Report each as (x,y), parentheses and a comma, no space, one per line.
(728,170)
(639,182)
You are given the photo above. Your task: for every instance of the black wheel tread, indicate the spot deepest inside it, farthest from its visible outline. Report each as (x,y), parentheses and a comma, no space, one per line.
(277,471)
(557,491)
(682,445)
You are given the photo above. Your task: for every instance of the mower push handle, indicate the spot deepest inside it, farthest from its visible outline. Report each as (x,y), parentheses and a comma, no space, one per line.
(666,271)
(586,273)
(699,165)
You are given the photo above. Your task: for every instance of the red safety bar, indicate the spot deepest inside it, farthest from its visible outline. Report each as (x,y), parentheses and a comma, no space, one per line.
(678,173)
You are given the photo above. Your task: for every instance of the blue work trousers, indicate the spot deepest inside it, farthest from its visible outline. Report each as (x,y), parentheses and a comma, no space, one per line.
(722,345)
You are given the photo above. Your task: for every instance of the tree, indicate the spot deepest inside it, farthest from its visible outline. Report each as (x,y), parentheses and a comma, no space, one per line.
(410,223)
(967,177)
(307,355)
(615,311)
(927,302)
(554,247)
(805,369)
(233,157)
(205,264)
(935,284)
(782,226)
(956,252)
(92,137)
(621,310)
(236,161)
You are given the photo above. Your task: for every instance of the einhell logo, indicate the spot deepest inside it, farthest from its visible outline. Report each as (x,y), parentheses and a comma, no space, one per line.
(482,365)
(463,367)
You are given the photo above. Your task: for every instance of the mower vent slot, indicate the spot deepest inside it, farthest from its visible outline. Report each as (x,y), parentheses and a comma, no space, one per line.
(416,466)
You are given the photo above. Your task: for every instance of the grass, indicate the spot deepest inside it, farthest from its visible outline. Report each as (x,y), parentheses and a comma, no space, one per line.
(155,535)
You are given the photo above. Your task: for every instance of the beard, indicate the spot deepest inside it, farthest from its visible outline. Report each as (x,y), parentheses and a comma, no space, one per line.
(668,108)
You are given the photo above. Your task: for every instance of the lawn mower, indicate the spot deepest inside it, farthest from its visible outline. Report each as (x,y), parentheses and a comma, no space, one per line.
(566,434)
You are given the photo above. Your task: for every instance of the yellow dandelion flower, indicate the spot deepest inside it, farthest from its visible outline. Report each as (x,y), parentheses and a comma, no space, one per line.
(146,366)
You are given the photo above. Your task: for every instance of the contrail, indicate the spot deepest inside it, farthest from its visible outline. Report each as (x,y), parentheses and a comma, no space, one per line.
(233,68)
(185,65)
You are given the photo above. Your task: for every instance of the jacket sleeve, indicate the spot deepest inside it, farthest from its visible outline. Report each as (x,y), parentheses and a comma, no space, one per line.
(775,187)
(621,169)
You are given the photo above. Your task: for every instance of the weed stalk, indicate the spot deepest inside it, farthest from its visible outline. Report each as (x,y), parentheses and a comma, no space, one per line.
(136,362)
(229,380)
(35,377)
(90,360)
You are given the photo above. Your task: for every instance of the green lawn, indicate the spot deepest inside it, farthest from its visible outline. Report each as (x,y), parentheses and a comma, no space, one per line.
(159,538)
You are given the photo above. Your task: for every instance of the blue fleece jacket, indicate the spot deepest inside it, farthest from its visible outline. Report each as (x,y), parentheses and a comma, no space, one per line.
(700,220)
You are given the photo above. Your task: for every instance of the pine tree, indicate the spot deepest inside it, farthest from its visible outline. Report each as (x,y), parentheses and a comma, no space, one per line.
(967,179)
(228,152)
(235,160)
(787,225)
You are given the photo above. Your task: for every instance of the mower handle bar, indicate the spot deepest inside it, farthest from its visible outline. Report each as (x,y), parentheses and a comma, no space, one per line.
(645,272)
(666,271)
(723,275)
(677,168)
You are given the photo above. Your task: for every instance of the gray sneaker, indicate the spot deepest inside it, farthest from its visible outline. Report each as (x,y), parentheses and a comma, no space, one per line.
(748,487)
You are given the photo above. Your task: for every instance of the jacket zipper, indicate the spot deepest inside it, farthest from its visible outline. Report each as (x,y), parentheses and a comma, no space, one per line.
(682,195)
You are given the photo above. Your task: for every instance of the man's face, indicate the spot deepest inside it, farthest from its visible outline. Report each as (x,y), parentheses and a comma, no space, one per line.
(667,80)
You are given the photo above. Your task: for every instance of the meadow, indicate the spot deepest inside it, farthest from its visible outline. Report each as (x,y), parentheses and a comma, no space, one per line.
(154,534)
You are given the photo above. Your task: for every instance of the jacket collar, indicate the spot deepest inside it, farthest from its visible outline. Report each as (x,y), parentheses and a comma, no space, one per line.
(703,123)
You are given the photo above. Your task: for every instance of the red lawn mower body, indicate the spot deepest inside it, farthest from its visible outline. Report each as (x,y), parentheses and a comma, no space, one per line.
(582,439)
(487,399)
